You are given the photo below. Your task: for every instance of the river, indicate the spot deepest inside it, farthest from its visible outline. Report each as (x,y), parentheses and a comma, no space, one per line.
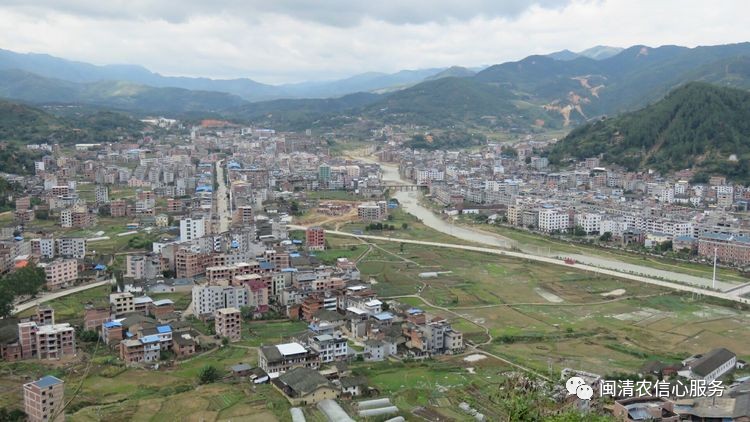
(409,201)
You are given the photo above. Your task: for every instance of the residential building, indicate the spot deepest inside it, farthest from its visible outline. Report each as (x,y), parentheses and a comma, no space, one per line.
(329,347)
(710,366)
(283,357)
(60,273)
(315,238)
(122,303)
(44,400)
(228,323)
(303,386)
(208,299)
(192,228)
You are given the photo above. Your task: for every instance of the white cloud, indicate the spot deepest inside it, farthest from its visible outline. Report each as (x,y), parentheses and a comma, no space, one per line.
(289,40)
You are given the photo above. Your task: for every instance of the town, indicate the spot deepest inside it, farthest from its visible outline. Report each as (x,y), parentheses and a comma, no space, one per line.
(259,260)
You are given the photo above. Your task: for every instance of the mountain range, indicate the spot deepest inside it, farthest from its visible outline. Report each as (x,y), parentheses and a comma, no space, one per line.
(539,91)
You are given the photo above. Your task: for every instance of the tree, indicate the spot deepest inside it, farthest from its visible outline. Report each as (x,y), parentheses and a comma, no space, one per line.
(606,237)
(89,336)
(208,374)
(6,301)
(25,282)
(247,312)
(404,226)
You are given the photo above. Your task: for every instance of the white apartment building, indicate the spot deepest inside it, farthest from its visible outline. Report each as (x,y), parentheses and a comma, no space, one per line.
(425,176)
(590,222)
(72,247)
(66,219)
(207,299)
(551,219)
(192,228)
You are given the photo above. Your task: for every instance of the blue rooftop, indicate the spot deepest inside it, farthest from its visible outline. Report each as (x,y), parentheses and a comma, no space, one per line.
(288,270)
(150,339)
(294,255)
(383,316)
(47,381)
(414,311)
(19,238)
(100,267)
(265,265)
(296,241)
(163,329)
(112,324)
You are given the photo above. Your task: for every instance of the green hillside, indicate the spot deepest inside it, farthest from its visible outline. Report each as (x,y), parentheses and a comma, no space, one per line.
(697,125)
(29,87)
(23,124)
(451,101)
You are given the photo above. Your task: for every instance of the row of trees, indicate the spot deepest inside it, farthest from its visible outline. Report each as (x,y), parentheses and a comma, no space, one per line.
(27,281)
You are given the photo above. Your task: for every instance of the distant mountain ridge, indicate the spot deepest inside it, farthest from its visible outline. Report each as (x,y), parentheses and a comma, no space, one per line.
(698,125)
(80,72)
(599,52)
(535,92)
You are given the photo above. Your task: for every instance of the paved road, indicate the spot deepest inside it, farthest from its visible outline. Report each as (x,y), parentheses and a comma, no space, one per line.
(222,202)
(409,202)
(554,261)
(58,294)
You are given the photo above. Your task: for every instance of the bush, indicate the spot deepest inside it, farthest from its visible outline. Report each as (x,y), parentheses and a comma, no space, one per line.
(208,375)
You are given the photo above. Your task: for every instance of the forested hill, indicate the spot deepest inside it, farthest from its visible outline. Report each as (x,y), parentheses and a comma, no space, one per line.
(24,124)
(697,125)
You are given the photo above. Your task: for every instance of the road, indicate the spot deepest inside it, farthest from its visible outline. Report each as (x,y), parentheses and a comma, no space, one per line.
(222,199)
(410,203)
(522,255)
(58,294)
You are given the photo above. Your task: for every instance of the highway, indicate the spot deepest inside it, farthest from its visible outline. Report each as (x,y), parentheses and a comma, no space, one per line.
(553,261)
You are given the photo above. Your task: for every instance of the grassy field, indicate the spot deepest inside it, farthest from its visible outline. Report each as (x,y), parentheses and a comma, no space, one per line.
(70,308)
(258,333)
(181,299)
(543,316)
(415,229)
(547,243)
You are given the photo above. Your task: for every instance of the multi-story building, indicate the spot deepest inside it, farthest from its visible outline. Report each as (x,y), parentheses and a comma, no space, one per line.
(60,273)
(208,299)
(43,400)
(315,238)
(122,303)
(95,316)
(55,341)
(228,323)
(189,264)
(553,220)
(244,215)
(329,347)
(101,194)
(590,222)
(192,228)
(118,208)
(71,247)
(372,211)
(280,358)
(146,349)
(729,249)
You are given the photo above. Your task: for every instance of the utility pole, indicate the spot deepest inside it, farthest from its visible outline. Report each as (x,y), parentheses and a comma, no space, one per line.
(713,284)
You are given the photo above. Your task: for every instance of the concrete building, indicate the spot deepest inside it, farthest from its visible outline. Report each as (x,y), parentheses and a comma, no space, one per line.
(303,386)
(43,400)
(329,347)
(60,273)
(280,358)
(315,238)
(122,303)
(552,220)
(228,323)
(192,228)
(71,247)
(208,299)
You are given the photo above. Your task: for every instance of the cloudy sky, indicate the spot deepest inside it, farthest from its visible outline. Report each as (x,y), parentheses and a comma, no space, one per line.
(277,41)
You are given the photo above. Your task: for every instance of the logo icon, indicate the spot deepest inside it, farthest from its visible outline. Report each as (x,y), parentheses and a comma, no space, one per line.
(577,386)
